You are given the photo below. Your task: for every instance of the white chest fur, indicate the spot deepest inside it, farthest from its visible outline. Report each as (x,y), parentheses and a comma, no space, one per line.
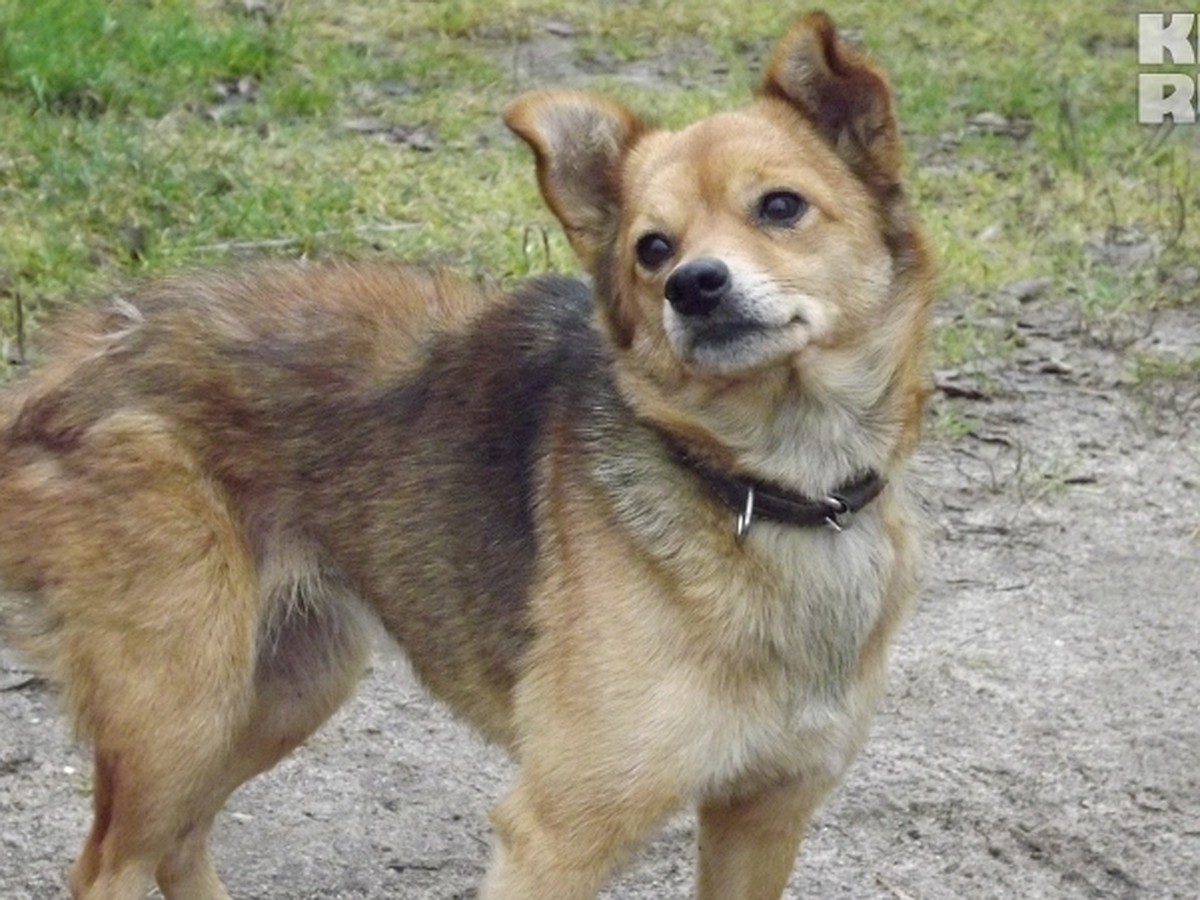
(816,705)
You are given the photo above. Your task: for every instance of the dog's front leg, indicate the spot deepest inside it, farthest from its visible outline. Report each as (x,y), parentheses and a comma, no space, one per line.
(747,847)
(563,840)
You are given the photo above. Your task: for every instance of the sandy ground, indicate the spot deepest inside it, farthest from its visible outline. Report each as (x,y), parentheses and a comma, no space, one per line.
(1041,737)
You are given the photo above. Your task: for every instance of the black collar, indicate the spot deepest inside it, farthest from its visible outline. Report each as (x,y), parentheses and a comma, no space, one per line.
(752,499)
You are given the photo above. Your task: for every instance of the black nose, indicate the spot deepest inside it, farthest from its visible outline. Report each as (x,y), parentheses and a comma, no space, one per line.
(696,288)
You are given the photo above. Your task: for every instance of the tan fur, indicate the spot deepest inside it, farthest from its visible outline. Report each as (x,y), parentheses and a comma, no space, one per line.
(216,483)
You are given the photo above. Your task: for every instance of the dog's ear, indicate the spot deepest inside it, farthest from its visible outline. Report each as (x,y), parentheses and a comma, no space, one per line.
(580,141)
(841,92)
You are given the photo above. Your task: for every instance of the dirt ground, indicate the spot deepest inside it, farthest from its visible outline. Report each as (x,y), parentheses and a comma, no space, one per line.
(1041,737)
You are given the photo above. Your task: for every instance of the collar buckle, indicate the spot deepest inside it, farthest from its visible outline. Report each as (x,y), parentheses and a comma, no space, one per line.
(746,516)
(838,514)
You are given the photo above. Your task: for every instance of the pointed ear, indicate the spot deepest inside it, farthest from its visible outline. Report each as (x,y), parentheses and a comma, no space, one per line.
(840,91)
(579,141)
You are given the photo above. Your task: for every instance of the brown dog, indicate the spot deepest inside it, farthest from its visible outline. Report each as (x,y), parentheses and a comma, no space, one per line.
(609,526)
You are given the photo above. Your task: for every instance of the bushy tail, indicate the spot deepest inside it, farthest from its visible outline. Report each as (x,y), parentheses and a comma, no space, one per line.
(27,625)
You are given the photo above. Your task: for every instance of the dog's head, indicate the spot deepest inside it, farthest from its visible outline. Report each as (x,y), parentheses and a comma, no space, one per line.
(751,239)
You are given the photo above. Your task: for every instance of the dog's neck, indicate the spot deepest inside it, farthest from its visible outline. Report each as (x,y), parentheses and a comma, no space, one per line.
(810,434)
(811,444)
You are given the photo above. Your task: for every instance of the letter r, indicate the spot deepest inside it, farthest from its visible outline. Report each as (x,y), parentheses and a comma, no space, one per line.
(1155,104)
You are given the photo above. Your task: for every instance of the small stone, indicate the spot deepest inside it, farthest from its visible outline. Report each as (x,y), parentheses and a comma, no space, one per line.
(367,125)
(1056,367)
(1028,289)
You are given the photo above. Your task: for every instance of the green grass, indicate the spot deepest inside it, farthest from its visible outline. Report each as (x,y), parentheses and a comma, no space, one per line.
(89,58)
(119,156)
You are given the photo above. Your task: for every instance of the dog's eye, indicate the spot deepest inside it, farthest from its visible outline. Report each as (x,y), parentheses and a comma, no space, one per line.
(781,208)
(654,249)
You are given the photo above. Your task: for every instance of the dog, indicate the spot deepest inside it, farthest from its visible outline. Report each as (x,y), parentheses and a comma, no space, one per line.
(652,534)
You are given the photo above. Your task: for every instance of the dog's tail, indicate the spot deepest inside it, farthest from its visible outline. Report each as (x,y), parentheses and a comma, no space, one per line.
(27,624)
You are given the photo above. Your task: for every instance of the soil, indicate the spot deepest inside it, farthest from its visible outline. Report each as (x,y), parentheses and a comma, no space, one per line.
(1041,737)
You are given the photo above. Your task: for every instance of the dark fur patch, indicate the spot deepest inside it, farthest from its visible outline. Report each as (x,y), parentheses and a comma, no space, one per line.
(445,463)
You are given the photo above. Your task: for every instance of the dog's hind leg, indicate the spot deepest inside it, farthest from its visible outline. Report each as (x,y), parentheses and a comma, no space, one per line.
(196,715)
(162,706)
(308,664)
(149,614)
(133,585)
(153,821)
